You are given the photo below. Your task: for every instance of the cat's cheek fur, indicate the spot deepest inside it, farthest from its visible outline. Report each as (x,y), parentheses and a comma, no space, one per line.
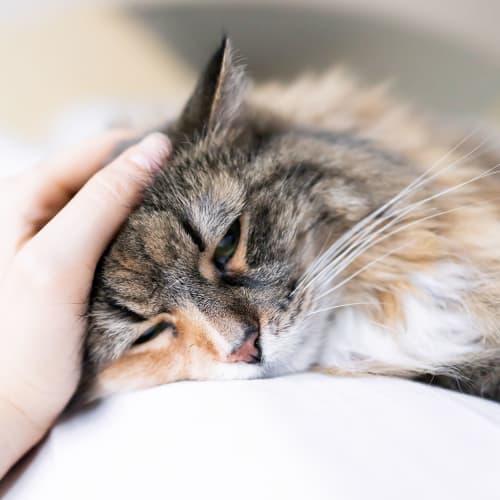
(186,358)
(150,369)
(435,330)
(293,350)
(197,351)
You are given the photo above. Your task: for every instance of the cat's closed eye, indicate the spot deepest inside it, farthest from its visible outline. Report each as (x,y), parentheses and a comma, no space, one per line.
(227,246)
(153,332)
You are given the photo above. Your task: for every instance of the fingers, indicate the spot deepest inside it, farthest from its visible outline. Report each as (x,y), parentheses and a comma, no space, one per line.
(78,235)
(32,199)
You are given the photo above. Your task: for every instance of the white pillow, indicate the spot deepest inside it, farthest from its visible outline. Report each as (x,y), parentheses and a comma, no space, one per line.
(303,437)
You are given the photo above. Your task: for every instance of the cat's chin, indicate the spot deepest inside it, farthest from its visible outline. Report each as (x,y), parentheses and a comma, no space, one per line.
(244,371)
(294,350)
(234,371)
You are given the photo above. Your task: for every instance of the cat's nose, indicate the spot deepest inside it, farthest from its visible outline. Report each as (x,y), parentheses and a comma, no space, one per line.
(248,351)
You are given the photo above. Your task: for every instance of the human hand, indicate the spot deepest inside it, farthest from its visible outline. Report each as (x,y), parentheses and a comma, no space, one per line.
(55,223)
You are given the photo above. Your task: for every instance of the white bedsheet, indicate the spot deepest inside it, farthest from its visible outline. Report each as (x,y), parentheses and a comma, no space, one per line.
(306,436)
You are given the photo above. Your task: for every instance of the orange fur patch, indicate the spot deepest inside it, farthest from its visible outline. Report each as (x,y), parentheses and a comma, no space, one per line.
(238,262)
(165,359)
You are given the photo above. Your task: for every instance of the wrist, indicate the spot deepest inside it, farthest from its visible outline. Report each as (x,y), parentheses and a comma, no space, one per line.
(18,433)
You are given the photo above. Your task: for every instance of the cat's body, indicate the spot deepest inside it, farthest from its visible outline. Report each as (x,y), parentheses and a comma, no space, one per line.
(307,225)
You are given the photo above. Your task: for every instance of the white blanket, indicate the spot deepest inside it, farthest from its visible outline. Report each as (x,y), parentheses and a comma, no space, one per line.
(300,437)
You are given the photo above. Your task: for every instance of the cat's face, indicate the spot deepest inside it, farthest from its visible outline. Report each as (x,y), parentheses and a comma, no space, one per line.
(201,281)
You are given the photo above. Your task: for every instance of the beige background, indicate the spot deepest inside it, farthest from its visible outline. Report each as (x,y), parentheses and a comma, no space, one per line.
(57,54)
(54,62)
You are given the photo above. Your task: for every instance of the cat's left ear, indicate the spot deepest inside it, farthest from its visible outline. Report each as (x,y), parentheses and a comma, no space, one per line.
(217,98)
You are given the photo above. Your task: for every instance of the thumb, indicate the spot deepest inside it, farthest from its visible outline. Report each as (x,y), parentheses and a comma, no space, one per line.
(87,224)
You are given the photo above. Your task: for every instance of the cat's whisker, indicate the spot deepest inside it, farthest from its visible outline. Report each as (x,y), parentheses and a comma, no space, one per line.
(354,241)
(451,165)
(358,244)
(372,242)
(401,215)
(362,269)
(376,242)
(342,256)
(487,173)
(404,212)
(388,328)
(339,306)
(359,230)
(402,228)
(349,256)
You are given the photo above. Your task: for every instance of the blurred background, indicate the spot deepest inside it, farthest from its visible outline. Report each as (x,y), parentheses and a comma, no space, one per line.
(70,67)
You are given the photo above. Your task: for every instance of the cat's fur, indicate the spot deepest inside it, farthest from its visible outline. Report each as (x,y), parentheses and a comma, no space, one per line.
(302,165)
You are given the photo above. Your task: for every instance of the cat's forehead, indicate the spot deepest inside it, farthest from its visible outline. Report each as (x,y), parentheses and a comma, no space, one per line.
(201,174)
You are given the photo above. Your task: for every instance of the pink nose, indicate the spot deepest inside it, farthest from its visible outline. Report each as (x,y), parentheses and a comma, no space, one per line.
(247,352)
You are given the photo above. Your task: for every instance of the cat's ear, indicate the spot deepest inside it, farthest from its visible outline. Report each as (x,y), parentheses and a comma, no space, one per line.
(217,97)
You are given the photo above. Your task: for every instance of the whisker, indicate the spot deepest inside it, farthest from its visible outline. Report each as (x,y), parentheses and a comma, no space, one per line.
(376,242)
(487,173)
(356,232)
(325,309)
(362,269)
(384,327)
(358,245)
(354,241)
(401,215)
(451,165)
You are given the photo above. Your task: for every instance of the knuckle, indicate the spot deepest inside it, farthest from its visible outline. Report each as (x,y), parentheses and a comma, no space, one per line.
(118,184)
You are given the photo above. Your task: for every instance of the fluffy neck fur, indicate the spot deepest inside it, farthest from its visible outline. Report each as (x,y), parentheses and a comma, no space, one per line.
(425,299)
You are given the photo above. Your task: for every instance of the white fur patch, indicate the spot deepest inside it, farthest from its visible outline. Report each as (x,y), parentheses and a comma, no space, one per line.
(291,351)
(437,329)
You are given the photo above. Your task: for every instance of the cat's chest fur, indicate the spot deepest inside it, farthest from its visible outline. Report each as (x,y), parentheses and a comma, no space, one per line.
(432,328)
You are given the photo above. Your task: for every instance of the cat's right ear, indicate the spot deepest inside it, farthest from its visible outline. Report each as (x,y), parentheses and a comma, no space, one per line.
(217,98)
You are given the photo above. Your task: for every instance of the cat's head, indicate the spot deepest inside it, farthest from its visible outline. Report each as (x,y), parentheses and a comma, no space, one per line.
(201,282)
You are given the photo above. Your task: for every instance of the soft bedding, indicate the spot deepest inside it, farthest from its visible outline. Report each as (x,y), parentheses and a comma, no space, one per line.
(306,436)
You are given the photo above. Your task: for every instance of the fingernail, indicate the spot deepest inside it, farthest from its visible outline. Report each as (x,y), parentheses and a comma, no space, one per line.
(152,151)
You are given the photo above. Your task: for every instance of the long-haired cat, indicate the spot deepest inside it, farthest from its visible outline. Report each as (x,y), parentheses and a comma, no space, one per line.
(310,225)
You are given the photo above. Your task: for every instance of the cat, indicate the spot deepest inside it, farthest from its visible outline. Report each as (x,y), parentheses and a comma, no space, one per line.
(310,225)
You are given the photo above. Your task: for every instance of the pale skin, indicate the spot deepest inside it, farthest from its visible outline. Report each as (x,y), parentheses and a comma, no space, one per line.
(55,223)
